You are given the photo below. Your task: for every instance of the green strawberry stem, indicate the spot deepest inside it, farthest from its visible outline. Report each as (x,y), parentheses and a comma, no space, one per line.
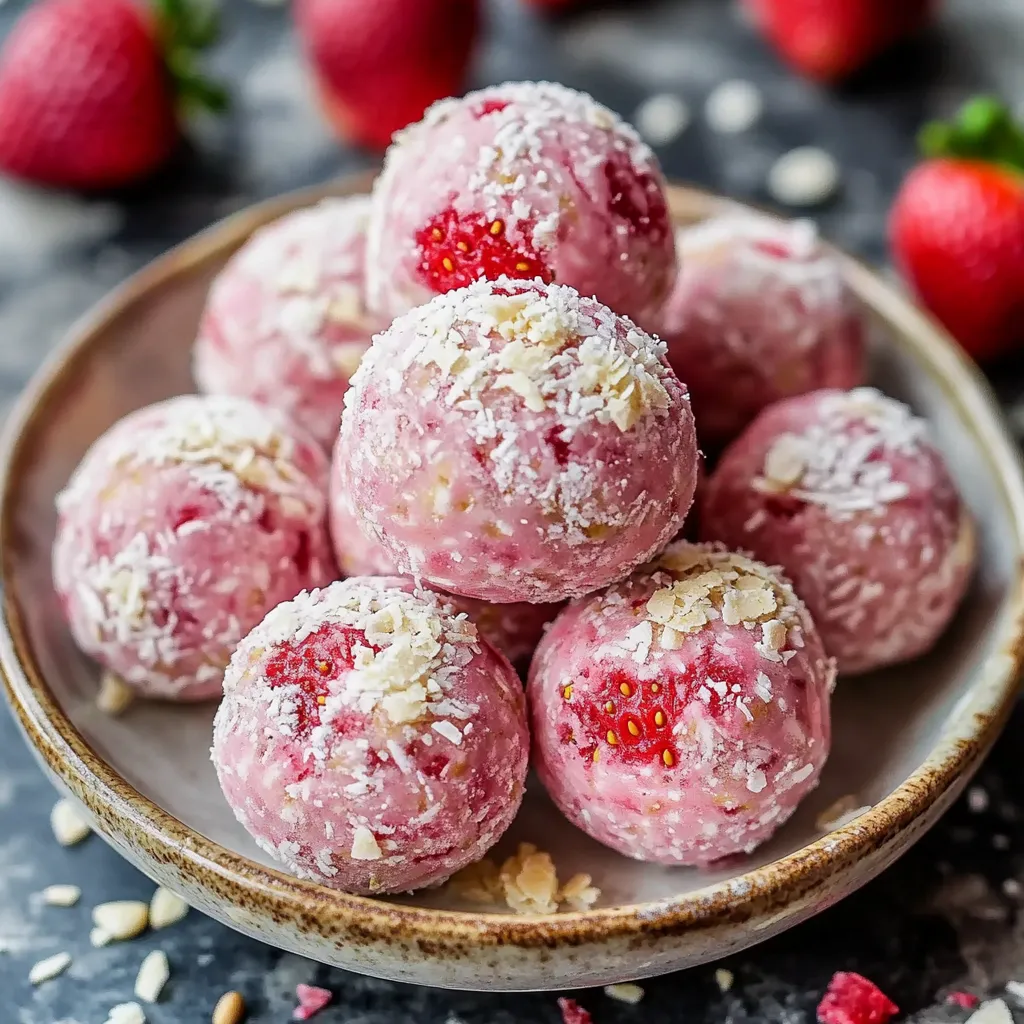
(187,27)
(982,130)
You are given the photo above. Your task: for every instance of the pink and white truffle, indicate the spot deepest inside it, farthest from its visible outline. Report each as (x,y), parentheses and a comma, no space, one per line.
(285,322)
(514,629)
(760,312)
(528,180)
(512,441)
(369,740)
(845,491)
(184,524)
(681,715)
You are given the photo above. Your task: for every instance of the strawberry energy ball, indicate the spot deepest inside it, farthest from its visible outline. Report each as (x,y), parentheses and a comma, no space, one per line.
(845,492)
(514,629)
(512,441)
(369,740)
(184,524)
(681,715)
(760,312)
(527,180)
(285,322)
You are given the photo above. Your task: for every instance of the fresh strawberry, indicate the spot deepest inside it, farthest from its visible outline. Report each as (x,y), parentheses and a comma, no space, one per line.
(89,89)
(957,228)
(830,39)
(379,65)
(456,251)
(852,999)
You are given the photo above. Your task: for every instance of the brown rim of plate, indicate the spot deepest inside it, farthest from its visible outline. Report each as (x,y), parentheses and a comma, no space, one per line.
(311,907)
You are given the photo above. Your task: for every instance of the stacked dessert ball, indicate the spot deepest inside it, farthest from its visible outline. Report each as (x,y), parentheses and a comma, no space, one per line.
(510,441)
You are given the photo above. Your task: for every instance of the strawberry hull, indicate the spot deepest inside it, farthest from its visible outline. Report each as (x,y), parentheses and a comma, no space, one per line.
(369,739)
(847,494)
(183,526)
(285,323)
(680,716)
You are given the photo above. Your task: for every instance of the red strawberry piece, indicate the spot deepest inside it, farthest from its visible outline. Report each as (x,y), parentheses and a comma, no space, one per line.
(957,228)
(965,1000)
(573,1013)
(88,89)
(852,999)
(379,65)
(311,1001)
(456,251)
(830,39)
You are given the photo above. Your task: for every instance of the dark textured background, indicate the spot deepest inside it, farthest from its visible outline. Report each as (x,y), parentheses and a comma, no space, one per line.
(946,917)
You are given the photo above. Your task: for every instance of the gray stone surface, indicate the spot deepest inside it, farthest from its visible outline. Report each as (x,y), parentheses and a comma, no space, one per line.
(946,917)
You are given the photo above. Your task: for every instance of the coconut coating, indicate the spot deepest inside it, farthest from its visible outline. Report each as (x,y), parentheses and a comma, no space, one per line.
(521,180)
(184,524)
(512,441)
(285,322)
(514,629)
(760,312)
(681,715)
(845,492)
(369,739)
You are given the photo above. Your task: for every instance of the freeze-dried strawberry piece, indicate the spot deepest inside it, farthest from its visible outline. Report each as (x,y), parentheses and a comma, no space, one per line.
(852,999)
(311,1001)
(573,1013)
(965,1000)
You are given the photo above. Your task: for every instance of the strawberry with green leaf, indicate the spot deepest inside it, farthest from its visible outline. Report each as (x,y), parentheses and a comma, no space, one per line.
(92,91)
(957,227)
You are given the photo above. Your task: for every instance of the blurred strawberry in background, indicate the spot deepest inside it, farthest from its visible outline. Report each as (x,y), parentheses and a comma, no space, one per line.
(378,64)
(957,227)
(91,90)
(829,40)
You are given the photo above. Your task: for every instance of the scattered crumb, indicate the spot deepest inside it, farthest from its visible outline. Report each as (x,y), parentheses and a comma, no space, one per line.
(121,919)
(626,993)
(806,176)
(977,800)
(724,979)
(1000,842)
(61,895)
(1011,887)
(734,107)
(69,827)
(230,1009)
(204,959)
(126,1013)
(573,1013)
(114,694)
(99,937)
(662,118)
(1016,989)
(993,1012)
(152,976)
(166,908)
(527,882)
(311,1001)
(49,968)
(840,813)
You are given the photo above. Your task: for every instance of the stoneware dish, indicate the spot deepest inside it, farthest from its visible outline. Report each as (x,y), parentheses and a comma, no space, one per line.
(906,741)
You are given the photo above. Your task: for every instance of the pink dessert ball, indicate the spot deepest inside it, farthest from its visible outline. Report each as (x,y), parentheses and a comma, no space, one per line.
(845,492)
(369,739)
(185,523)
(528,180)
(760,312)
(514,629)
(512,441)
(681,715)
(285,322)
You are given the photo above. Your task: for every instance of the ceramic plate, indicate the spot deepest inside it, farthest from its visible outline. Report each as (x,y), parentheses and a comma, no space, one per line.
(906,740)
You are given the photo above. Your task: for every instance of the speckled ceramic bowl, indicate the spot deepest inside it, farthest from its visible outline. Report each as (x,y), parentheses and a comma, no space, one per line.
(906,740)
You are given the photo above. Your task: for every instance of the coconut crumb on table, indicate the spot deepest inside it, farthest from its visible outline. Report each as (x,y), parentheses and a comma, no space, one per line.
(69,827)
(120,919)
(61,895)
(126,1013)
(154,973)
(724,979)
(166,908)
(49,968)
(527,882)
(995,1011)
(626,992)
